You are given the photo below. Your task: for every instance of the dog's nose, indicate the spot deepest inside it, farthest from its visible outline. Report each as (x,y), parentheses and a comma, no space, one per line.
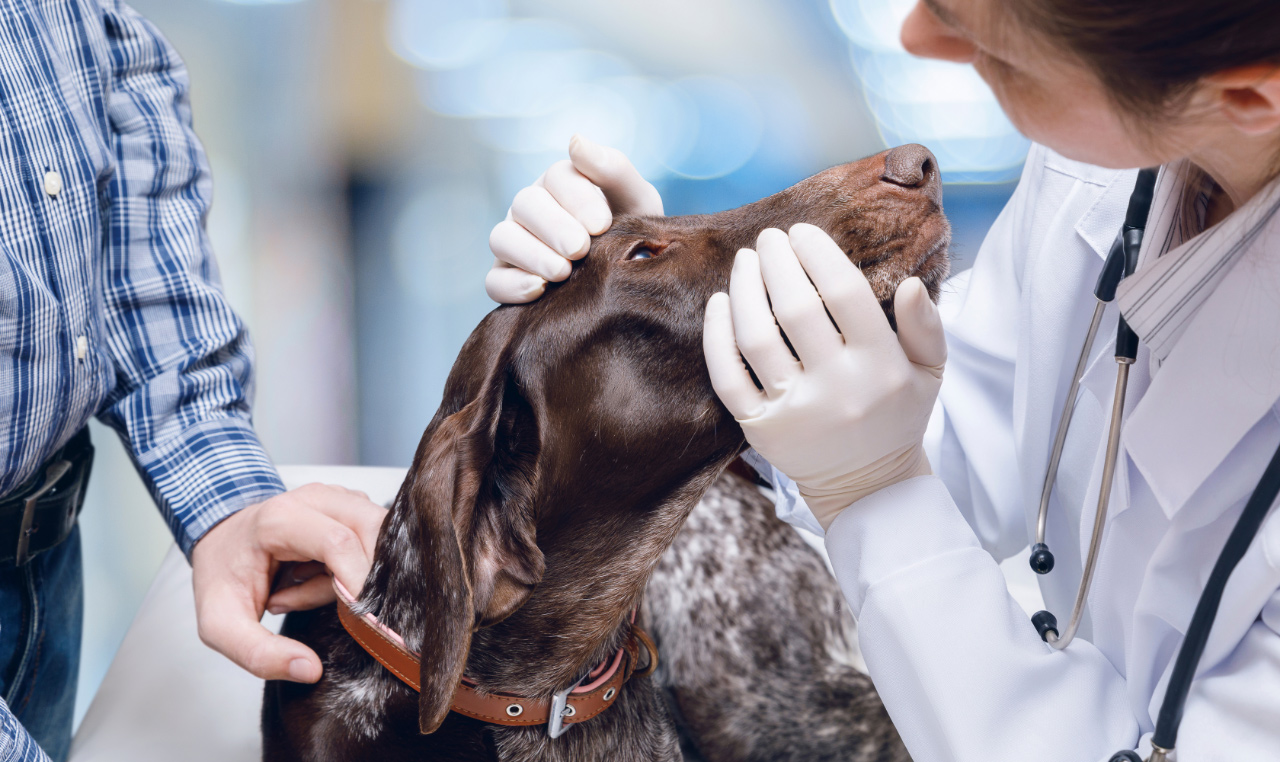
(911,166)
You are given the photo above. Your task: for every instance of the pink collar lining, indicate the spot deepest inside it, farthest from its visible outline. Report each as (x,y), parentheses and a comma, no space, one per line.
(598,676)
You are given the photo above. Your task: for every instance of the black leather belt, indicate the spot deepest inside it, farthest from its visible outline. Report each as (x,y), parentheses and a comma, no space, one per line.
(41,513)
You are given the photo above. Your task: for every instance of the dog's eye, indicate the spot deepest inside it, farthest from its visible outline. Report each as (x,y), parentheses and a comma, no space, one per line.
(643,252)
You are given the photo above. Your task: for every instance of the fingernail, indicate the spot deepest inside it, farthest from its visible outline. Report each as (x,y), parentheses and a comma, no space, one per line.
(561,270)
(598,225)
(578,143)
(581,246)
(277,609)
(534,287)
(302,671)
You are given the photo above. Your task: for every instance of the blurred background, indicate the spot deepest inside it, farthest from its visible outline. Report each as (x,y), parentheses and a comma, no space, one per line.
(363,149)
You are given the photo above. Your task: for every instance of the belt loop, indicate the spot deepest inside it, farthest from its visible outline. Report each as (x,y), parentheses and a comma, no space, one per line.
(52,476)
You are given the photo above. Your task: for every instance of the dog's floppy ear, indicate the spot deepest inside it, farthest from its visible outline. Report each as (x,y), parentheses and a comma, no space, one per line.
(471,520)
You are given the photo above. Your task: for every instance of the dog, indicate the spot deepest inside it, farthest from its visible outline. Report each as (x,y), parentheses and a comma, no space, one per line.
(577,436)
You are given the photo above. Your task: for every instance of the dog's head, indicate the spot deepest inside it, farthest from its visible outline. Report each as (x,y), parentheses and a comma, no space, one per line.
(578,431)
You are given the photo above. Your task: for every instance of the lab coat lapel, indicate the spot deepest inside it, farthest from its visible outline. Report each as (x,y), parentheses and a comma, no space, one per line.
(1218,381)
(1056,307)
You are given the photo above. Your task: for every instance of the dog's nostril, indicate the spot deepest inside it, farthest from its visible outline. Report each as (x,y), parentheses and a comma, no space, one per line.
(911,166)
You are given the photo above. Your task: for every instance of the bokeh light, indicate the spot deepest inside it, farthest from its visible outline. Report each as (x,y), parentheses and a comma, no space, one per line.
(945,106)
(530,84)
(446,34)
(724,133)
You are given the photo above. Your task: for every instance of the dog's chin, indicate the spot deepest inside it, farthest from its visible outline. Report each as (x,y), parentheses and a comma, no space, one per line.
(934,269)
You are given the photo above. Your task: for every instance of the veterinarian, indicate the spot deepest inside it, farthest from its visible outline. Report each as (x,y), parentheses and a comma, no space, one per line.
(110,305)
(923,485)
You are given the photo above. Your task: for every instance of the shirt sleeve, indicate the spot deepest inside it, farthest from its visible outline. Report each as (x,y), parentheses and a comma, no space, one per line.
(182,357)
(961,670)
(975,408)
(16,745)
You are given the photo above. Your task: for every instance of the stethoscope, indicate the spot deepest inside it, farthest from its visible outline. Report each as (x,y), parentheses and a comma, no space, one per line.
(1121,262)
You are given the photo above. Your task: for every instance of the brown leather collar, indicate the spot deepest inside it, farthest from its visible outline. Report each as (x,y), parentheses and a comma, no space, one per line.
(603,684)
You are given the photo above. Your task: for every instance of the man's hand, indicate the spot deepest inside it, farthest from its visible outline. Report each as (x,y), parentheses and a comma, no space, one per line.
(235,563)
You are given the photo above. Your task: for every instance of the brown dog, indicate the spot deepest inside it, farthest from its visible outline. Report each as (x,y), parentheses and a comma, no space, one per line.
(575,437)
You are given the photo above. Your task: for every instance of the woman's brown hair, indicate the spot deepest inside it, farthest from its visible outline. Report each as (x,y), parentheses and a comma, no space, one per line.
(1149,54)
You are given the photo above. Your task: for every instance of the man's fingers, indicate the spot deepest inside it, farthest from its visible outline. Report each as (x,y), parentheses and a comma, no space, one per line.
(298,534)
(311,594)
(229,625)
(757,334)
(796,304)
(352,509)
(538,212)
(513,244)
(844,289)
(510,285)
(729,377)
(613,173)
(578,196)
(920,326)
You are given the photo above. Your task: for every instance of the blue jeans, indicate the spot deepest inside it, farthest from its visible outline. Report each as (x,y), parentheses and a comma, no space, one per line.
(41,613)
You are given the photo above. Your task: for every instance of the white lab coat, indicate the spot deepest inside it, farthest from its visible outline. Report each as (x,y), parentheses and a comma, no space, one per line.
(959,665)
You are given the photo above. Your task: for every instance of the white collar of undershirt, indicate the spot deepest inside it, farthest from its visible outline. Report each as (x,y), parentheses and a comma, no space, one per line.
(1181,264)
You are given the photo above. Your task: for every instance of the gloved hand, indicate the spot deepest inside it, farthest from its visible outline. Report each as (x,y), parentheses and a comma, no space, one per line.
(848,418)
(551,222)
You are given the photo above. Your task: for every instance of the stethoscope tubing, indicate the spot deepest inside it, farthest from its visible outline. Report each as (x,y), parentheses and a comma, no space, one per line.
(1064,423)
(1062,640)
(1122,262)
(1193,644)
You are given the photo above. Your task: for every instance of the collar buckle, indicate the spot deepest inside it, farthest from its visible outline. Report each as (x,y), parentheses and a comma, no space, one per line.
(561,709)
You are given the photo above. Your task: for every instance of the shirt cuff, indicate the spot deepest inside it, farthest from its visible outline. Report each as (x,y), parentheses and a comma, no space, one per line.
(209,472)
(16,745)
(895,529)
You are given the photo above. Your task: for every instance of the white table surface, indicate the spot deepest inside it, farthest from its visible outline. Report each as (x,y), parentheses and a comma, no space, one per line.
(167,697)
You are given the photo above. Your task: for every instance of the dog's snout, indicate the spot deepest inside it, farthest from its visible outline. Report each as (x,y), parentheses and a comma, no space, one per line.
(910,166)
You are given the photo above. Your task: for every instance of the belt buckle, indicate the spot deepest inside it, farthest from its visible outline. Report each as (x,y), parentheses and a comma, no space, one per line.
(52,476)
(560,709)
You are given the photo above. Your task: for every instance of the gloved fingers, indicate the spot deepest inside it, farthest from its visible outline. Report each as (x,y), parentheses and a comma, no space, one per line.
(513,244)
(796,304)
(729,377)
(610,169)
(757,334)
(537,211)
(920,327)
(511,285)
(845,291)
(580,197)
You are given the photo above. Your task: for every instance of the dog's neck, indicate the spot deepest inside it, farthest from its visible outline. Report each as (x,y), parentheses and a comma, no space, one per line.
(578,615)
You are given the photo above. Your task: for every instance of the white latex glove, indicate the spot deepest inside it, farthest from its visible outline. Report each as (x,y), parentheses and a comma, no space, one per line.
(551,222)
(848,418)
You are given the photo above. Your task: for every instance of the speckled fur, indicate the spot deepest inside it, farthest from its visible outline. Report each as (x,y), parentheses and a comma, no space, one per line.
(575,436)
(758,652)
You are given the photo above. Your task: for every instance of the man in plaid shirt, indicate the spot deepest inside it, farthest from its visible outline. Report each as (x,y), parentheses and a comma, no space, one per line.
(110,305)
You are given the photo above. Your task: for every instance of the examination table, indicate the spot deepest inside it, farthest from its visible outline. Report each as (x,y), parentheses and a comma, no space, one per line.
(167,697)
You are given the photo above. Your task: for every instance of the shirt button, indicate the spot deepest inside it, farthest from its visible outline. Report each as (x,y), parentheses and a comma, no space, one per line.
(52,183)
(82,347)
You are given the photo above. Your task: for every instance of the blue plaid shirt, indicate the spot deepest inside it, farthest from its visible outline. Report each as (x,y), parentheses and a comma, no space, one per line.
(110,302)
